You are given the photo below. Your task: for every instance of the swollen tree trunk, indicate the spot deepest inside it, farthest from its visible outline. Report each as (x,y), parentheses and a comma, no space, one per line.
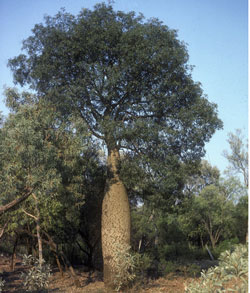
(115,219)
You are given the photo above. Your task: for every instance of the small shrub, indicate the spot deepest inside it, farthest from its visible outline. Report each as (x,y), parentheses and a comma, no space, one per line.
(37,277)
(193,270)
(124,264)
(223,246)
(168,267)
(172,268)
(2,282)
(168,251)
(231,275)
(198,253)
(182,250)
(142,265)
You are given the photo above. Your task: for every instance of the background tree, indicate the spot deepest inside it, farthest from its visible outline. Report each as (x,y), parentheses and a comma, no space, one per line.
(129,81)
(238,158)
(205,176)
(209,210)
(26,144)
(47,157)
(241,217)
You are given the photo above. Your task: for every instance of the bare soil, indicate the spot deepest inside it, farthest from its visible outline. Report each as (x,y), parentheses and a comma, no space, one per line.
(91,282)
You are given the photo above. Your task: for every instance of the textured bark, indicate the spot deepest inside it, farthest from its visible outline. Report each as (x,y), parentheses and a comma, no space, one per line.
(115,219)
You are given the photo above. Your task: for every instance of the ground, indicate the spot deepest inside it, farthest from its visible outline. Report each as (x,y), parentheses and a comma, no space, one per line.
(91,282)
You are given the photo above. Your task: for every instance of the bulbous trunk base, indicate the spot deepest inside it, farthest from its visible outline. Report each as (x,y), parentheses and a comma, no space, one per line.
(115,226)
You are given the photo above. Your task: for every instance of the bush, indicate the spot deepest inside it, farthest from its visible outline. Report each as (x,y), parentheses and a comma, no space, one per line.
(37,277)
(173,268)
(124,264)
(143,264)
(2,282)
(231,275)
(168,267)
(182,250)
(224,245)
(130,267)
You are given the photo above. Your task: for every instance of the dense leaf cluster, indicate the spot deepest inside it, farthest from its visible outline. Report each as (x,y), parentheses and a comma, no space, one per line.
(127,78)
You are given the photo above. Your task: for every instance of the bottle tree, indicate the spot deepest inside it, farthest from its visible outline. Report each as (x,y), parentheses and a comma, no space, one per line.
(129,80)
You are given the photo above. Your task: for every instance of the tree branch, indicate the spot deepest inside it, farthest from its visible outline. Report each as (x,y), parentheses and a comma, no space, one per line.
(82,249)
(15,202)
(90,128)
(30,215)
(2,230)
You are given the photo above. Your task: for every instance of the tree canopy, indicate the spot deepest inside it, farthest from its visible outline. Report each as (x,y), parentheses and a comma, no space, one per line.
(128,79)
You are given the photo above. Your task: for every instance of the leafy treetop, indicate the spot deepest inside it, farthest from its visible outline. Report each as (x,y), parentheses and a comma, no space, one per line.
(128,78)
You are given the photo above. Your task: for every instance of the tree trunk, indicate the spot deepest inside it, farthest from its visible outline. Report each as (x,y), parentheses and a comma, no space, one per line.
(58,264)
(213,241)
(3,229)
(13,256)
(202,243)
(115,219)
(38,233)
(53,248)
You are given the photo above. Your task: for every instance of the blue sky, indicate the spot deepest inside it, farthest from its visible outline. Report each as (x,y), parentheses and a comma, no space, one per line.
(215,32)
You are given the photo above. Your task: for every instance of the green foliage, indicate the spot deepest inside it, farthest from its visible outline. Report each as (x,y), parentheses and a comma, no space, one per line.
(230,276)
(129,80)
(224,245)
(241,217)
(37,277)
(144,263)
(28,136)
(116,78)
(69,169)
(133,267)
(181,250)
(209,214)
(169,268)
(205,175)
(238,157)
(124,264)
(193,270)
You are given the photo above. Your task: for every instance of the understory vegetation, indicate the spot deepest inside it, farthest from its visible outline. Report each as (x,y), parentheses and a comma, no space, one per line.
(209,220)
(231,275)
